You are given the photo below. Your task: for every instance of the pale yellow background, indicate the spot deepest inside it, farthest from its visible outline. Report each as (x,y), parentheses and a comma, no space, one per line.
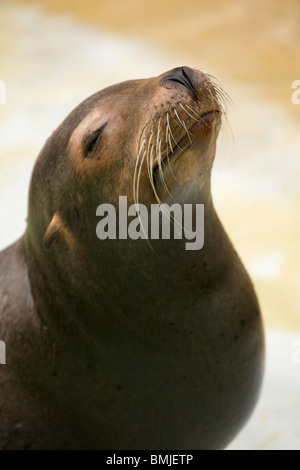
(55,53)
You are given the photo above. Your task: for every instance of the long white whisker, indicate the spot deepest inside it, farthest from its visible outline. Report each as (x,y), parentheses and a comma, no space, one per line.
(148,152)
(192,110)
(151,158)
(176,143)
(189,134)
(197,120)
(135,171)
(181,122)
(138,179)
(170,132)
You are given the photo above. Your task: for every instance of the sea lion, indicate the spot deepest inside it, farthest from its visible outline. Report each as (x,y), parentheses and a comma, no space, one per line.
(127,343)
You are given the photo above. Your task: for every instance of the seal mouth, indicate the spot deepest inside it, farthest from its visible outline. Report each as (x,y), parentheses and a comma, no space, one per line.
(171,154)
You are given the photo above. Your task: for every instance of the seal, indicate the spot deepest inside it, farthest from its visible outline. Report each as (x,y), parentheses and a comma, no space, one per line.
(124,343)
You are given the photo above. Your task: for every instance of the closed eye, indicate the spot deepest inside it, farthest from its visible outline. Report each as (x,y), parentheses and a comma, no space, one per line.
(92,141)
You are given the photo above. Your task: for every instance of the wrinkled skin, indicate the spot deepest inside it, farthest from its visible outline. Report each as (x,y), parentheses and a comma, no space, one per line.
(115,344)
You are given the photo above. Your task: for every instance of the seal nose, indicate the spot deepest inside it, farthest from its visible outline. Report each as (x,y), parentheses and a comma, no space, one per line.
(184,76)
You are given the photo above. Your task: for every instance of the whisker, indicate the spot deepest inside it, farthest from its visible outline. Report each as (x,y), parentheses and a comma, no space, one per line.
(138,179)
(189,134)
(149,167)
(216,85)
(212,97)
(181,122)
(135,171)
(169,145)
(175,142)
(191,109)
(170,132)
(151,158)
(188,112)
(136,202)
(158,156)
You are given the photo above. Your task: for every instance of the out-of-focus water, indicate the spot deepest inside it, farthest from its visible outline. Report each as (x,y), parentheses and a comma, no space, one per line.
(55,55)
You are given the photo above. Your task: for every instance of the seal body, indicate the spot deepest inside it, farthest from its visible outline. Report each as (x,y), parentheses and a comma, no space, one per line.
(127,343)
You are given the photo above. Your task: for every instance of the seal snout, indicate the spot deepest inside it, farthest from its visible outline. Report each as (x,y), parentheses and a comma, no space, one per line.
(184,76)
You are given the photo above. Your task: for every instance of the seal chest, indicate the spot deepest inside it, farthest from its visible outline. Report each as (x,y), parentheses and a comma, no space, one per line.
(137,332)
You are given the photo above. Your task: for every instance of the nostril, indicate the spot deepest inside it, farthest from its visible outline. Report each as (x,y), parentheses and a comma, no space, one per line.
(183,75)
(187,73)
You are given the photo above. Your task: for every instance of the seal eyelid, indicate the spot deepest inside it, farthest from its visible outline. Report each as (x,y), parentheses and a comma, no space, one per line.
(92,140)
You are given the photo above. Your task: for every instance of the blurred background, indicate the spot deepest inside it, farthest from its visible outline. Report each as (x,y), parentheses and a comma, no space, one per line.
(55,53)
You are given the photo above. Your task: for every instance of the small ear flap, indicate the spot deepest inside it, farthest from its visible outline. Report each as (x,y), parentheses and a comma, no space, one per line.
(53,229)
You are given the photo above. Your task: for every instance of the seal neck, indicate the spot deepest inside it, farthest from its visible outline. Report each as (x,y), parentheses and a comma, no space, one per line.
(83,288)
